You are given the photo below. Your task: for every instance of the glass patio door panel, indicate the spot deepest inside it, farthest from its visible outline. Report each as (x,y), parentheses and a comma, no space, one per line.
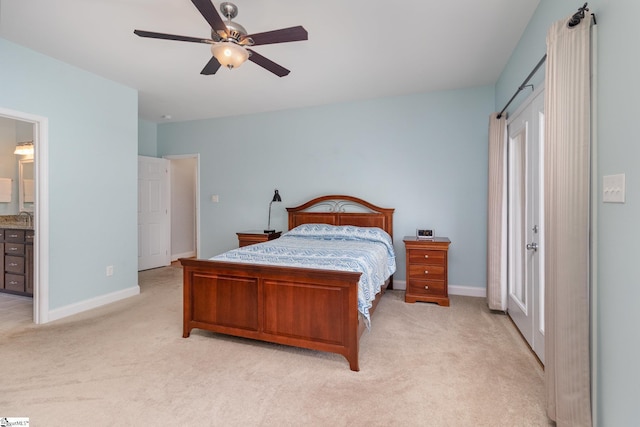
(517,218)
(525,266)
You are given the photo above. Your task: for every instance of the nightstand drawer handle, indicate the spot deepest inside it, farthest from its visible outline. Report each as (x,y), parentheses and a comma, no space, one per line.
(13,282)
(13,249)
(13,264)
(426,287)
(426,256)
(426,272)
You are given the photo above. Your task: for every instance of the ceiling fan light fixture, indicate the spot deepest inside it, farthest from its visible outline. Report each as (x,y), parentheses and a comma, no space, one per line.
(229,54)
(229,40)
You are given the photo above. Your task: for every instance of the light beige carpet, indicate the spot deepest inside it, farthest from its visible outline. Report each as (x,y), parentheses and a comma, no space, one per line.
(127,365)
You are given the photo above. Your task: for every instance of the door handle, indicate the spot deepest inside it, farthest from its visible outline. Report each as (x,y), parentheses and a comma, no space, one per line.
(532,246)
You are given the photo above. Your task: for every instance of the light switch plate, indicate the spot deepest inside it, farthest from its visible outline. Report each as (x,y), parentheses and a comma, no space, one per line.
(613,188)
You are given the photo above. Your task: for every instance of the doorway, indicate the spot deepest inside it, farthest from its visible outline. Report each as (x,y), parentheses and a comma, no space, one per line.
(525,229)
(168,209)
(40,126)
(184,206)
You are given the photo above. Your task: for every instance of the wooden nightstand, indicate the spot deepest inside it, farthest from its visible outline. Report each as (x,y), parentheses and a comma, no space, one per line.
(427,270)
(252,237)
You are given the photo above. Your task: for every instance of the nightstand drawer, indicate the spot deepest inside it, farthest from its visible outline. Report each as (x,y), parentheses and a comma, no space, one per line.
(426,257)
(418,271)
(426,287)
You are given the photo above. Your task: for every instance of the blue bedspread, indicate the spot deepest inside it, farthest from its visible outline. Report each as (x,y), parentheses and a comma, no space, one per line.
(368,250)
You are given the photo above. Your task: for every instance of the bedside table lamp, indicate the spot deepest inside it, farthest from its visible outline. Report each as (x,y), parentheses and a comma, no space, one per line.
(276,198)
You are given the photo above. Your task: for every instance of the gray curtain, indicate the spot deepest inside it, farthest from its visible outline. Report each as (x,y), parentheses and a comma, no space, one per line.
(497,215)
(567,222)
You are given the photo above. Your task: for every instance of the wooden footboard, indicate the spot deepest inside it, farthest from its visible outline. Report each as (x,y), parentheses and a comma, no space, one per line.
(309,308)
(315,309)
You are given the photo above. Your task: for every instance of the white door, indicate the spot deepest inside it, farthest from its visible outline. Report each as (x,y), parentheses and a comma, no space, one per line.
(525,224)
(154,227)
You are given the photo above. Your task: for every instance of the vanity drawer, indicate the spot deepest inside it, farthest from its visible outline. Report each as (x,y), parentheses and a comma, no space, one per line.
(13,282)
(14,236)
(11,248)
(14,264)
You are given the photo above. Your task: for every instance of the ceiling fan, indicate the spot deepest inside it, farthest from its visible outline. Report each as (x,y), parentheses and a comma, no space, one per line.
(229,41)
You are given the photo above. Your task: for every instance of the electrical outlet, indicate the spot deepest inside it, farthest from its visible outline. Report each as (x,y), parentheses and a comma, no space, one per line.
(215,198)
(109,270)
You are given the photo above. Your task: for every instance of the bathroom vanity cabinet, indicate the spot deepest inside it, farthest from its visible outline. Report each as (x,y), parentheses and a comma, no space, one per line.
(16,247)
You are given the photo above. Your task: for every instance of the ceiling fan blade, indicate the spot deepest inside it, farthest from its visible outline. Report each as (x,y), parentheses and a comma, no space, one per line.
(164,36)
(292,34)
(212,66)
(208,11)
(268,64)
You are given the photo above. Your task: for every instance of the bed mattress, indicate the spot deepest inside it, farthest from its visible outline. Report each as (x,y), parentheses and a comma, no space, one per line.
(368,250)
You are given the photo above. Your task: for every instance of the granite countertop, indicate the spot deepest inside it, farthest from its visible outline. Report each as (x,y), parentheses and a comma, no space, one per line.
(15,222)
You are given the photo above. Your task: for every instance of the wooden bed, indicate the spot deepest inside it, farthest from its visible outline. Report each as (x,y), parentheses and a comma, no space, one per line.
(257,301)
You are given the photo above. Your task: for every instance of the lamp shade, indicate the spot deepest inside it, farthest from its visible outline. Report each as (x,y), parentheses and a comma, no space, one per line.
(229,54)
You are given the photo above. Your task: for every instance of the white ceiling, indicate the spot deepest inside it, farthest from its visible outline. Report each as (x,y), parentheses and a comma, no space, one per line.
(357,49)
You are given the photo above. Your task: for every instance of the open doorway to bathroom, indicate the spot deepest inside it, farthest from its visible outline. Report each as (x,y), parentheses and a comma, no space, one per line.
(23,216)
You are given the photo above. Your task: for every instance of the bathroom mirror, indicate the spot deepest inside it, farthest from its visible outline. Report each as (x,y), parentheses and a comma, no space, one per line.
(26,185)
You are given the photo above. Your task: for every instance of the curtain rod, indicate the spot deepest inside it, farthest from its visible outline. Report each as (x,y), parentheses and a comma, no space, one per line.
(575,20)
(524,84)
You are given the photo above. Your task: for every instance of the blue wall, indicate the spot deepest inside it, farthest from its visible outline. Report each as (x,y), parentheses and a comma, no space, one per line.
(147,138)
(618,229)
(93,142)
(424,155)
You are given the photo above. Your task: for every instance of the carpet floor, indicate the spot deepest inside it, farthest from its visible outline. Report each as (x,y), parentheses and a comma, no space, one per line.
(127,364)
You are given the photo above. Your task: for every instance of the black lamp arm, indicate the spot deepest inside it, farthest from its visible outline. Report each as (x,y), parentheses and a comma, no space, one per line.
(269,230)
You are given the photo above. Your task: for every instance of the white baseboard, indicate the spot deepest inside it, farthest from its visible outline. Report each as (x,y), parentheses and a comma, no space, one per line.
(468,291)
(190,254)
(399,285)
(92,303)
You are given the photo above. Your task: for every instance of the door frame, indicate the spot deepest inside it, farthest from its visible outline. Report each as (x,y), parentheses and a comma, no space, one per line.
(197,201)
(40,212)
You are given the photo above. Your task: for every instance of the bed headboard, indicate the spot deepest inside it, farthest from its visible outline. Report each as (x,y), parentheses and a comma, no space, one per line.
(341,210)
